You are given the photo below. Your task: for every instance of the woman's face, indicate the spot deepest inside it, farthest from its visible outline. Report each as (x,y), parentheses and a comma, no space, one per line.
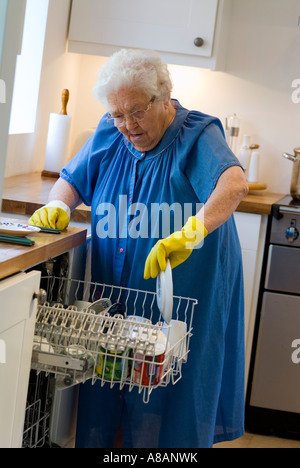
(146,134)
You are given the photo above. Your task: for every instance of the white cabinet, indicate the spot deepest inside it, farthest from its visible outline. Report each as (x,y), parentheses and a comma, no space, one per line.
(17,319)
(187,32)
(252,234)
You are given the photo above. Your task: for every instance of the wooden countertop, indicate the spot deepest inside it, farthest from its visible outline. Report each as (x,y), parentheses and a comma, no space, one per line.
(259,202)
(14,258)
(24,194)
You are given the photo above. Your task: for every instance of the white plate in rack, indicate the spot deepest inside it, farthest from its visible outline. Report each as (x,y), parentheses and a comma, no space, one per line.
(11,228)
(164,291)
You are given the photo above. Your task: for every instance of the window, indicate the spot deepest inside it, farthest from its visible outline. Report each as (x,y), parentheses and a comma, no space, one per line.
(28,68)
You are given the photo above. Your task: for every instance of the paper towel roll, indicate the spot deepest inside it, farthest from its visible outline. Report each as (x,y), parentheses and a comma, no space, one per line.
(57,142)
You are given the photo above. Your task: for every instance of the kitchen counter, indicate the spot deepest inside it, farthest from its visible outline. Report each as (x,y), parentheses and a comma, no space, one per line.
(14,258)
(24,194)
(259,202)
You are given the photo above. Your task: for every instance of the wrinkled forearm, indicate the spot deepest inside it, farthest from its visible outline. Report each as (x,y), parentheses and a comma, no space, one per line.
(65,192)
(231,188)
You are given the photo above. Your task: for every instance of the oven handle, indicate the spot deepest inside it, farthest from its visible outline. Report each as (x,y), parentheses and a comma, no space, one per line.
(279,211)
(290,210)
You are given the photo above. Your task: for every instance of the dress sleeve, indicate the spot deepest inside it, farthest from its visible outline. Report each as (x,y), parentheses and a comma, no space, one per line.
(83,170)
(209,158)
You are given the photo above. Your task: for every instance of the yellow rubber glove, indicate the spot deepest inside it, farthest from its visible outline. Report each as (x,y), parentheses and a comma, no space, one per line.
(177,247)
(51,216)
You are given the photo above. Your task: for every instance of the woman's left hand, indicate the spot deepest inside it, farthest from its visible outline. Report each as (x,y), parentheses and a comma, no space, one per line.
(177,248)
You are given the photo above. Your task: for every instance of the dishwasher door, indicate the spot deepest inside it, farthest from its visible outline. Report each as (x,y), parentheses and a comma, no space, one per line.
(276,380)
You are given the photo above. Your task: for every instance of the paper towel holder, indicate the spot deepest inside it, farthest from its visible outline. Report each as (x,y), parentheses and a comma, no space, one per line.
(65,95)
(64,101)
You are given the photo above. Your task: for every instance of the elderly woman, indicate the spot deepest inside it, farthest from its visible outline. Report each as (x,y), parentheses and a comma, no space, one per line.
(149,150)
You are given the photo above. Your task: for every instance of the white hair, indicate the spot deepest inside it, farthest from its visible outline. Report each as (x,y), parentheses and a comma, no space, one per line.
(133,69)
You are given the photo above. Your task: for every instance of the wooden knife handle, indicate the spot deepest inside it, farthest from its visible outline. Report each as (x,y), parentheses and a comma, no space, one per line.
(64,100)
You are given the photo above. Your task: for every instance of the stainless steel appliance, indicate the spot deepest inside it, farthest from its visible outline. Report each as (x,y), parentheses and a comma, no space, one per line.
(273,399)
(295,181)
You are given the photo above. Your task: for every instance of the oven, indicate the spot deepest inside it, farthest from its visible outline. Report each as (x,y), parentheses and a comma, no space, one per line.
(273,397)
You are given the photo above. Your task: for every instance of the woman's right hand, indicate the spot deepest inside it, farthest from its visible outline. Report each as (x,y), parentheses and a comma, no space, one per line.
(55,215)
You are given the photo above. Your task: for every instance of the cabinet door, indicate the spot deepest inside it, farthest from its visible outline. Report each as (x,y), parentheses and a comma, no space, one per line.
(248,227)
(252,233)
(162,25)
(17,319)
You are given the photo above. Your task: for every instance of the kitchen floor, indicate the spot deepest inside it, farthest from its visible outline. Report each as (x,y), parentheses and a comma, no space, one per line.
(259,441)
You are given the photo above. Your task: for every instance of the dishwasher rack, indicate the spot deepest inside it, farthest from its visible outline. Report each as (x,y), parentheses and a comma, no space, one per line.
(38,409)
(127,343)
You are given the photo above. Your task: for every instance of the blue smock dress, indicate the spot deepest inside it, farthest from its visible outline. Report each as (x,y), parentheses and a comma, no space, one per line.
(207,404)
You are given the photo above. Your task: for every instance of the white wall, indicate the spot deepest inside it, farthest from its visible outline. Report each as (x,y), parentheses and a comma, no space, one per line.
(263,61)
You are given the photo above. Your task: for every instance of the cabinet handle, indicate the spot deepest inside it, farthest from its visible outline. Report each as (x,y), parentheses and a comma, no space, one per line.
(198,41)
(2,352)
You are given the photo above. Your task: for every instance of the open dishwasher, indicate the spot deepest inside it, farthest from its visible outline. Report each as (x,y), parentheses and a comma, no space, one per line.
(91,331)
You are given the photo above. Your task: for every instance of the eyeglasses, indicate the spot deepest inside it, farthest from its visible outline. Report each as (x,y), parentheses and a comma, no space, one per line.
(136,116)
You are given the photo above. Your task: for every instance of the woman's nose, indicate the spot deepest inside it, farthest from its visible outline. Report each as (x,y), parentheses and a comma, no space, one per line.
(130,123)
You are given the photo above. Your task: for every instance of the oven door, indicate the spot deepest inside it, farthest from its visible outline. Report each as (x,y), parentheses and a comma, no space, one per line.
(276,380)
(283,269)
